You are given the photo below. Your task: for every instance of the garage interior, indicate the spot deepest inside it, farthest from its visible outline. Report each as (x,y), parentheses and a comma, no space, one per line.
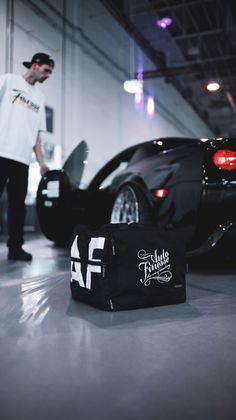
(198,46)
(63,359)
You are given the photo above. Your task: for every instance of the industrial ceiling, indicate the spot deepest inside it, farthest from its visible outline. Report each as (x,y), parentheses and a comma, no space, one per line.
(199,46)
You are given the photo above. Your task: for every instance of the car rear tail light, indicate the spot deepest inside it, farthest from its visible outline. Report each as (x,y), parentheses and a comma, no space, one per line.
(225,159)
(160,193)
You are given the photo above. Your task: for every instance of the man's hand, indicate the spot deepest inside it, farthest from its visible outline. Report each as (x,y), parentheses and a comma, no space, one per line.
(39,156)
(43,168)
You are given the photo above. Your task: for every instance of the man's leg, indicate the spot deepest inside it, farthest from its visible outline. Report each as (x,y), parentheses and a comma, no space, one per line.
(17,190)
(3,173)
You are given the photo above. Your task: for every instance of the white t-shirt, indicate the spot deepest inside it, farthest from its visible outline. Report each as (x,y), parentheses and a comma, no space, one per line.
(22,116)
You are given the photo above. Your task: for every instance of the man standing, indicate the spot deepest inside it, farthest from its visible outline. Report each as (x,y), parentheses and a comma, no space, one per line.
(22,118)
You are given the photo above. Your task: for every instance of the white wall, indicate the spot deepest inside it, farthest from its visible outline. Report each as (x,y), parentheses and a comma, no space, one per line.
(93,58)
(3,31)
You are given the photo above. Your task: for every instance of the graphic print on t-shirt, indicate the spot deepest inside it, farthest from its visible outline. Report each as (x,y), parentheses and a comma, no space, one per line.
(20,96)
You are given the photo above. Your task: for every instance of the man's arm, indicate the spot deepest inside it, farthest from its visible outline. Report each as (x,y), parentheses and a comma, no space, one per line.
(39,156)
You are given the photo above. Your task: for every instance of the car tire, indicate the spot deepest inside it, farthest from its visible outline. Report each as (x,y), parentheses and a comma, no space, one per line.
(130,206)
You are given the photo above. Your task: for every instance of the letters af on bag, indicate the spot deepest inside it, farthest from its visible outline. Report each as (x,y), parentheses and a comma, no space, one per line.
(127,266)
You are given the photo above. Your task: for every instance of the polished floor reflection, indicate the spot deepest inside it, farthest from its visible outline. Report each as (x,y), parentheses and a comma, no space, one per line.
(61,359)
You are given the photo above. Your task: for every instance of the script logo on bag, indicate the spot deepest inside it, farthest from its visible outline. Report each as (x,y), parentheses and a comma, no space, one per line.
(155,267)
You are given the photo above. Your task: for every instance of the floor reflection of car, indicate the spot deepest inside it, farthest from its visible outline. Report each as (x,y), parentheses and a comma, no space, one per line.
(171,182)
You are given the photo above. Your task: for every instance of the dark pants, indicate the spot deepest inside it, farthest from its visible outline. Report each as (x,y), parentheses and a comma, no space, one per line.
(15,176)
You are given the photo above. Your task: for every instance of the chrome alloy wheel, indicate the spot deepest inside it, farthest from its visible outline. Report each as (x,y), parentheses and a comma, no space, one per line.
(125,208)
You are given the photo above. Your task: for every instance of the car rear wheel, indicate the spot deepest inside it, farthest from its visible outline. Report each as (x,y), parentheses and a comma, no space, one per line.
(130,206)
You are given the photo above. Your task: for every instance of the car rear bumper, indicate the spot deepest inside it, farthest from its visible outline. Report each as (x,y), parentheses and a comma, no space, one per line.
(224,236)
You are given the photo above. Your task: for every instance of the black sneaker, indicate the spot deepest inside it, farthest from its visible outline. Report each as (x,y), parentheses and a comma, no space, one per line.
(19,255)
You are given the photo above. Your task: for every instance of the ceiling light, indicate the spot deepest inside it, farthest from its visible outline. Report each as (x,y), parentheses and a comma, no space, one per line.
(150,105)
(213,86)
(138,98)
(133,86)
(164,22)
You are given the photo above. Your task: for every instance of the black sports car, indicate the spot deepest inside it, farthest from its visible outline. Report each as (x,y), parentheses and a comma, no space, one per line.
(183,183)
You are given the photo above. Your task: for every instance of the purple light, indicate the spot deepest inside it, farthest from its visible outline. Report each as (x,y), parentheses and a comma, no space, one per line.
(164,22)
(140,76)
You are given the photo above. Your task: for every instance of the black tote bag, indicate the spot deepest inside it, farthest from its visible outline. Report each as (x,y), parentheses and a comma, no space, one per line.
(121,266)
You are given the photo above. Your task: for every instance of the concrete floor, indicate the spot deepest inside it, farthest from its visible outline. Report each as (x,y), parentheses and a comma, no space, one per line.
(60,359)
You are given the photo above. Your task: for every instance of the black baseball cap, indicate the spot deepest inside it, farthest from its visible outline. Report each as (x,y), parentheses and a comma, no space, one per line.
(39,58)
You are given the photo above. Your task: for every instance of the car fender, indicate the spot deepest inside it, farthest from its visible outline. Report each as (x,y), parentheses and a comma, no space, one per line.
(138,183)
